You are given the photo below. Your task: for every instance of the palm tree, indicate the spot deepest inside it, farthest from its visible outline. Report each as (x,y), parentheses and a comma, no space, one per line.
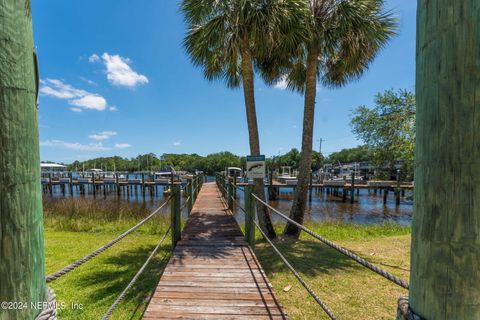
(343,39)
(225,37)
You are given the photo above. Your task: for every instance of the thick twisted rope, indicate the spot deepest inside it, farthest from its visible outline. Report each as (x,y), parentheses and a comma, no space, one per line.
(72,266)
(135,278)
(404,312)
(49,313)
(402,283)
(298,276)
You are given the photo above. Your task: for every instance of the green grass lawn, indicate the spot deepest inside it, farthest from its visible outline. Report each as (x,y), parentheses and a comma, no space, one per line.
(350,290)
(96,284)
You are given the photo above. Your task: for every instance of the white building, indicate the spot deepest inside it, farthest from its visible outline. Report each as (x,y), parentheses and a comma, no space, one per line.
(52,167)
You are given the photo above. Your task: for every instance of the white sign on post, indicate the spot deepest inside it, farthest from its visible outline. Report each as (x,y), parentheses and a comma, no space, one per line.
(256,167)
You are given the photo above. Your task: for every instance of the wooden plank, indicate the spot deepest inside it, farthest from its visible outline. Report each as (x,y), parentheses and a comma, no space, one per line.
(194,296)
(211,284)
(214,309)
(217,302)
(213,274)
(186,316)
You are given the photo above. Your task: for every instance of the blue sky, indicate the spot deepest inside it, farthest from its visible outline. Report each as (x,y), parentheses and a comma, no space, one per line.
(117,81)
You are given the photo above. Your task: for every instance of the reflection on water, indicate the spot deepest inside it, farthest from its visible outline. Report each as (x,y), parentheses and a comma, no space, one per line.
(368,208)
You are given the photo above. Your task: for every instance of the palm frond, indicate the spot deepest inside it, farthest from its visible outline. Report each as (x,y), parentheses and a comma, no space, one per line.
(218,30)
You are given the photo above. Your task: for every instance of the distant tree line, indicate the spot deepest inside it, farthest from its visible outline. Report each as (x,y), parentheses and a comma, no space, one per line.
(209,164)
(388,131)
(214,162)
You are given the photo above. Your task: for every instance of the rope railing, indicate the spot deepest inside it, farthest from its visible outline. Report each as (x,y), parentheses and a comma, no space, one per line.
(135,278)
(297,275)
(289,266)
(400,282)
(185,203)
(74,265)
(173,228)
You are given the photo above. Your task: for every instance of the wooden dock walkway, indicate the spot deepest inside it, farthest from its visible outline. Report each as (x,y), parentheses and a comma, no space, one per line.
(213,273)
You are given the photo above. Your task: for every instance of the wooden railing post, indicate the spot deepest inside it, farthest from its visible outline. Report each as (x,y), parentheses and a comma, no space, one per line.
(352,189)
(93,183)
(249,216)
(117,183)
(175,217)
(197,186)
(194,188)
(230,195)
(223,186)
(310,187)
(397,190)
(190,194)
(235,187)
(71,183)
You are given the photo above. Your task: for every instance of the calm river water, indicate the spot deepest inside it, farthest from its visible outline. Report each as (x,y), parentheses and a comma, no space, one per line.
(368,207)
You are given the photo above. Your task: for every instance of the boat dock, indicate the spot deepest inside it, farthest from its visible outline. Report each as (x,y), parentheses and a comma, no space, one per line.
(213,273)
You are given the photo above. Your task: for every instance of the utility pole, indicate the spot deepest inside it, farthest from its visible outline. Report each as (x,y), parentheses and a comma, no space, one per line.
(320,148)
(445,277)
(22,254)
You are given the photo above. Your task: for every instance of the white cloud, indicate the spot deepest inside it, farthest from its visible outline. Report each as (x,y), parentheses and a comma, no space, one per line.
(177,143)
(104,135)
(113,108)
(75,109)
(90,101)
(90,82)
(122,145)
(120,73)
(77,98)
(94,58)
(281,84)
(58,89)
(73,145)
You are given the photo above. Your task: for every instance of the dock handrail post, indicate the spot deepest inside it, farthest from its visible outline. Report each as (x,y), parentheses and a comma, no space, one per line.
(71,183)
(50,183)
(93,183)
(249,216)
(352,189)
(230,195)
(235,187)
(190,194)
(223,185)
(175,217)
(397,190)
(195,187)
(310,187)
(116,182)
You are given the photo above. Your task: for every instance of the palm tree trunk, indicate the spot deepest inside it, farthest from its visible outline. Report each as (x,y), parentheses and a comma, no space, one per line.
(22,258)
(249,95)
(299,203)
